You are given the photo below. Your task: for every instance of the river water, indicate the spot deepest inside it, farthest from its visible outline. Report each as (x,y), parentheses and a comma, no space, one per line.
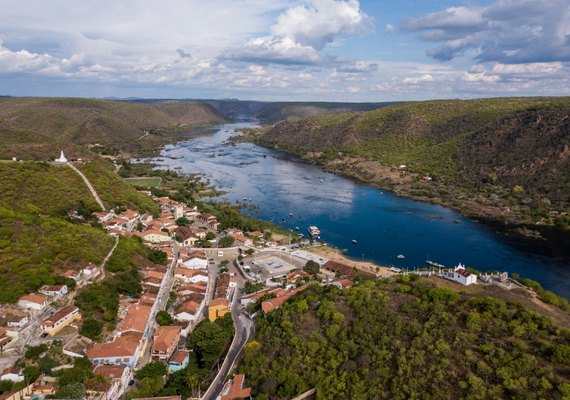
(294,194)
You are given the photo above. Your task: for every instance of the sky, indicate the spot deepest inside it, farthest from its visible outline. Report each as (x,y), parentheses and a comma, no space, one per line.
(311,50)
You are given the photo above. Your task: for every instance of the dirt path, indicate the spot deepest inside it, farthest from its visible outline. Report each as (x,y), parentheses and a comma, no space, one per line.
(91,188)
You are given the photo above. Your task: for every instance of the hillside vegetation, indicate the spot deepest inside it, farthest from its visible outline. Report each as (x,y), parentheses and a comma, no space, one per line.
(33,249)
(405,339)
(38,128)
(56,190)
(502,159)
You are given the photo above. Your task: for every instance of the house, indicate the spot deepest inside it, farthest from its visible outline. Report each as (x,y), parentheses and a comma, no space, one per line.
(461,275)
(17,320)
(122,351)
(117,377)
(218,308)
(60,319)
(242,240)
(120,224)
(14,374)
(90,271)
(254,297)
(6,337)
(191,275)
(129,215)
(297,275)
(234,389)
(154,236)
(188,311)
(147,299)
(45,385)
(199,232)
(196,259)
(136,318)
(71,274)
(222,289)
(198,287)
(179,361)
(165,342)
(146,219)
(271,304)
(33,302)
(346,270)
(341,283)
(103,216)
(54,290)
(185,236)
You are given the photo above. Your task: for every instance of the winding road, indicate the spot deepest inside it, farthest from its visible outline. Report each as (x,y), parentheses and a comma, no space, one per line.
(91,188)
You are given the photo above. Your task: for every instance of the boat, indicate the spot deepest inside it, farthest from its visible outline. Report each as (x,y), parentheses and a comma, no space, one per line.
(434,264)
(354,241)
(296,228)
(314,231)
(400,256)
(290,214)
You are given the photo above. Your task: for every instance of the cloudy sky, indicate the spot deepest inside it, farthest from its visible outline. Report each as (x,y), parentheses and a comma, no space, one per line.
(344,50)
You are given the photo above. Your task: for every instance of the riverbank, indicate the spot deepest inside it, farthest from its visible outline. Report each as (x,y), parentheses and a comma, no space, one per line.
(335,255)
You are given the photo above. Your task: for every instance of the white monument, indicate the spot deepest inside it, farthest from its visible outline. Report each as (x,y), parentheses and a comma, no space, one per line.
(61,158)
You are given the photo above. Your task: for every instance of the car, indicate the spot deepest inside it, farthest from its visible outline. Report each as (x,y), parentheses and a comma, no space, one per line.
(131,382)
(44,335)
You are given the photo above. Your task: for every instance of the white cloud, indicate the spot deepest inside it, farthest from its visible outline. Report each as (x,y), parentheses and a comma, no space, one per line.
(418,79)
(302,31)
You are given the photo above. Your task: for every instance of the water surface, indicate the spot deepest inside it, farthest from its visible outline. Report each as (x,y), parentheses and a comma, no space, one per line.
(383,224)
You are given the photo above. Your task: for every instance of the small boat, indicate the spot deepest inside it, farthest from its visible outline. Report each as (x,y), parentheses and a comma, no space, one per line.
(296,228)
(400,256)
(314,231)
(320,180)
(354,241)
(290,214)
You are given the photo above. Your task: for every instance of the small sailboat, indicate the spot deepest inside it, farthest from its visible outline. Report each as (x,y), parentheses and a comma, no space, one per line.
(400,256)
(354,241)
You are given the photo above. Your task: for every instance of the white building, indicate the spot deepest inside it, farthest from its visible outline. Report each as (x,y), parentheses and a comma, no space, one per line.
(61,158)
(54,290)
(461,275)
(196,260)
(14,374)
(33,301)
(119,377)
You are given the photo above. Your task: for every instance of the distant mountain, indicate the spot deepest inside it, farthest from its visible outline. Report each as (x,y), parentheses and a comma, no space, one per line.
(500,159)
(38,127)
(271,112)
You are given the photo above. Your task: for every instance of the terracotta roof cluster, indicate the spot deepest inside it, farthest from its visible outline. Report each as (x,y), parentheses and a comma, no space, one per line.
(123,346)
(164,337)
(271,304)
(109,371)
(58,316)
(136,318)
(222,286)
(34,298)
(179,357)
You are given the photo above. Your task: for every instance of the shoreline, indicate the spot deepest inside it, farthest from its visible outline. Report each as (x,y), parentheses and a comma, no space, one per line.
(334,254)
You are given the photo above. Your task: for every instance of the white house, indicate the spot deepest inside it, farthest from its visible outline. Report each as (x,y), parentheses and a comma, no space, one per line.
(191,275)
(14,374)
(196,260)
(189,311)
(17,320)
(122,351)
(54,290)
(33,301)
(90,271)
(461,275)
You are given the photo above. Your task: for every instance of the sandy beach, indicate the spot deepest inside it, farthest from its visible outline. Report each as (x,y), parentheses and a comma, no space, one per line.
(336,255)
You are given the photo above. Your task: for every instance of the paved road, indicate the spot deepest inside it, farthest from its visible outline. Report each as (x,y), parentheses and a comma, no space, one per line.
(91,188)
(243,329)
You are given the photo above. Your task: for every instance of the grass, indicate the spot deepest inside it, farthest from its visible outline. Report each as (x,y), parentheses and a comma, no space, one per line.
(150,181)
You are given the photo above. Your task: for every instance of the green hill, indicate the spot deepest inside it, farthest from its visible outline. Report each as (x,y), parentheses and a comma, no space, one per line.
(38,128)
(499,159)
(33,248)
(406,339)
(55,190)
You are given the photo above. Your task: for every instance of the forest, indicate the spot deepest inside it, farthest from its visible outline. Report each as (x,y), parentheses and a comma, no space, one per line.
(403,338)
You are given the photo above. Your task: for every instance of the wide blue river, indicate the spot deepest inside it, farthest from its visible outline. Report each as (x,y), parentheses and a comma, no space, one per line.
(294,194)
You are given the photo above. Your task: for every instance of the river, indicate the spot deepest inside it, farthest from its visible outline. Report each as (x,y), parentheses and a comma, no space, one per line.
(291,193)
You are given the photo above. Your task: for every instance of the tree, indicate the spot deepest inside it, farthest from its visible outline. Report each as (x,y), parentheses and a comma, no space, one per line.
(157,256)
(71,391)
(183,221)
(163,318)
(210,235)
(152,370)
(312,267)
(253,287)
(91,328)
(226,241)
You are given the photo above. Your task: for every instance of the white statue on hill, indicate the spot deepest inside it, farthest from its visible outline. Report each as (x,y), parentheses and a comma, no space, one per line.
(61,158)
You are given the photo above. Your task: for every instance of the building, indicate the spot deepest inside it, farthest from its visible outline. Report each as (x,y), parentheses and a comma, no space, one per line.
(61,159)
(154,236)
(54,290)
(191,275)
(60,319)
(122,351)
(14,374)
(196,260)
(90,271)
(136,318)
(222,286)
(17,320)
(346,270)
(234,389)
(117,377)
(188,311)
(165,342)
(179,361)
(462,276)
(75,275)
(185,236)
(33,302)
(271,304)
(218,308)
(241,240)
(6,337)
